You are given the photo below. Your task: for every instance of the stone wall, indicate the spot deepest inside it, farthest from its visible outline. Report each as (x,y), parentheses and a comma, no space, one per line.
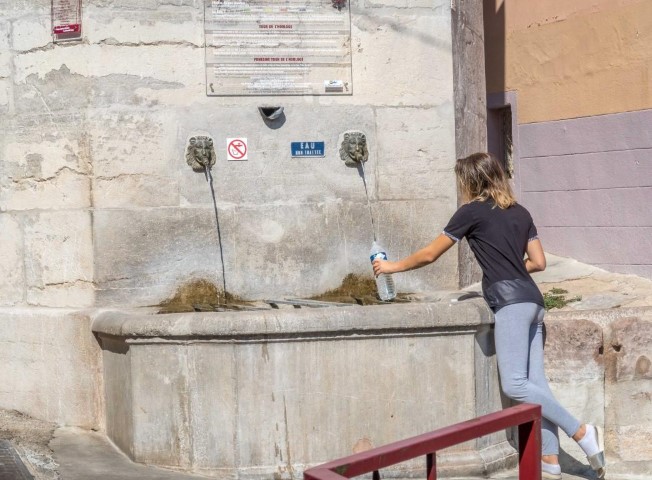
(599,367)
(100,207)
(51,366)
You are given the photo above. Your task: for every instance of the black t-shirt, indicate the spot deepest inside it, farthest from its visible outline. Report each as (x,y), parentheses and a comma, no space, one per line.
(498,237)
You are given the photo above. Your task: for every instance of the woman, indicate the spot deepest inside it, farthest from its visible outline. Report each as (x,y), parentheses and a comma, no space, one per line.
(501,233)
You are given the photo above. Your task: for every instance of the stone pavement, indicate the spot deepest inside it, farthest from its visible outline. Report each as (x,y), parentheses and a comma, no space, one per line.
(598,288)
(84,455)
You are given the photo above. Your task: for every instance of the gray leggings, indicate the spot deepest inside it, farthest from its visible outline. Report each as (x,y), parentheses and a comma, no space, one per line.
(519,352)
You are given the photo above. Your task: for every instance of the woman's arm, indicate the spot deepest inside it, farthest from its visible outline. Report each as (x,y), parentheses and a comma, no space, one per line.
(418,259)
(536,258)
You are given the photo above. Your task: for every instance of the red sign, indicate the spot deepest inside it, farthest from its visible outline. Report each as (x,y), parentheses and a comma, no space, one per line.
(74,28)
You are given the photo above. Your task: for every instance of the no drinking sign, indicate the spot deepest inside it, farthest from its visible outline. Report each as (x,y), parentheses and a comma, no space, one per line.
(236,149)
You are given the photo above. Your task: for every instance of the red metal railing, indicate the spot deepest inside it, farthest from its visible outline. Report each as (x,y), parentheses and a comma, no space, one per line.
(526,416)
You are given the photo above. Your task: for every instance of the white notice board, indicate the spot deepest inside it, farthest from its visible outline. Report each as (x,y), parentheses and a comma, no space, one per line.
(256,47)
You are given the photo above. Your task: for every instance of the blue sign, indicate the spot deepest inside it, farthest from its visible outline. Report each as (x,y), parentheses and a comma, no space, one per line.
(307,149)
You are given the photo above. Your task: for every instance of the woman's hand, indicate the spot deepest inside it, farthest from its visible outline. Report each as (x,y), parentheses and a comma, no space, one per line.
(383,266)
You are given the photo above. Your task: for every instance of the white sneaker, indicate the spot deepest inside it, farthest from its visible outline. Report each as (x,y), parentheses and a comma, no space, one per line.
(596,460)
(551,476)
(548,470)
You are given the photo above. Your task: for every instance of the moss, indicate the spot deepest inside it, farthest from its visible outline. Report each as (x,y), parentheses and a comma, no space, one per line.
(199,294)
(556,298)
(356,289)
(352,286)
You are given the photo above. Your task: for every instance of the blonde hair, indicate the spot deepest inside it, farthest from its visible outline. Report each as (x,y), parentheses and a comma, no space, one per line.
(481,176)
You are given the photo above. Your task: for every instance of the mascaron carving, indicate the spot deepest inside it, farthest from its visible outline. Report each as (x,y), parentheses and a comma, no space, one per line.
(354,148)
(200,153)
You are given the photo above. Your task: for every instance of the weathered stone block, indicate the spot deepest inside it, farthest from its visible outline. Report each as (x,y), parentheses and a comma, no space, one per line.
(132,142)
(153,260)
(161,439)
(60,89)
(135,191)
(271,174)
(5,95)
(575,369)
(67,189)
(44,160)
(573,346)
(175,24)
(25,6)
(12,266)
(52,92)
(403,228)
(5,54)
(278,387)
(385,75)
(219,416)
(51,366)
(629,388)
(59,258)
(433,4)
(142,256)
(416,153)
(48,174)
(31,32)
(156,63)
(116,363)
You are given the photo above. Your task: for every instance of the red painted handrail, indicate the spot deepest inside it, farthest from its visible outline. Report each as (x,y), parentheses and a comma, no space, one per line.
(526,416)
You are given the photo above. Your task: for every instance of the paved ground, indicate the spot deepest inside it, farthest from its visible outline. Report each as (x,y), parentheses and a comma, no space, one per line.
(597,288)
(84,455)
(30,438)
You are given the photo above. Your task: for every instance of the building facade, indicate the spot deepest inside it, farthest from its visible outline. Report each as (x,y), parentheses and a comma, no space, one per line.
(569,93)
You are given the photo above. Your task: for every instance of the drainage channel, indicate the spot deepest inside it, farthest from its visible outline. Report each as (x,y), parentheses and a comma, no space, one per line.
(11,466)
(296,303)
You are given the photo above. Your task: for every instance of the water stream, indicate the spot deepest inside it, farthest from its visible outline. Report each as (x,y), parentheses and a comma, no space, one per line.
(209,179)
(371,215)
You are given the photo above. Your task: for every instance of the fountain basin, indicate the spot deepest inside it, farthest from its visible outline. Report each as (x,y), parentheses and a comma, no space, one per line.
(270,393)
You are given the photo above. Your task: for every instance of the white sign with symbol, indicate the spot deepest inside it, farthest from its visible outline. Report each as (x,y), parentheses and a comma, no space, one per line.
(236,149)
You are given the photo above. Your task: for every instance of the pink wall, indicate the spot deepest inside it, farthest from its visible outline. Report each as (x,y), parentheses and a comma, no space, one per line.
(588,185)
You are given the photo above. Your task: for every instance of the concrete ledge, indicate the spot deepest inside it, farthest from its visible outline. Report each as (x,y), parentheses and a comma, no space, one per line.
(334,321)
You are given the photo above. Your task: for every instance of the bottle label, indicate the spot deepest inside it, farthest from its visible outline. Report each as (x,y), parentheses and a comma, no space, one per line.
(379,256)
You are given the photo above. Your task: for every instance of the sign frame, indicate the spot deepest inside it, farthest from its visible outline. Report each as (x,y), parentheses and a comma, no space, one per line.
(66,18)
(267,48)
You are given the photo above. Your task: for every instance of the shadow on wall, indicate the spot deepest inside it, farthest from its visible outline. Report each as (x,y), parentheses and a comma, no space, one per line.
(501,123)
(494,45)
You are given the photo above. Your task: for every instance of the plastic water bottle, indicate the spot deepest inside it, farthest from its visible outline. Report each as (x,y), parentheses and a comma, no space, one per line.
(384,281)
